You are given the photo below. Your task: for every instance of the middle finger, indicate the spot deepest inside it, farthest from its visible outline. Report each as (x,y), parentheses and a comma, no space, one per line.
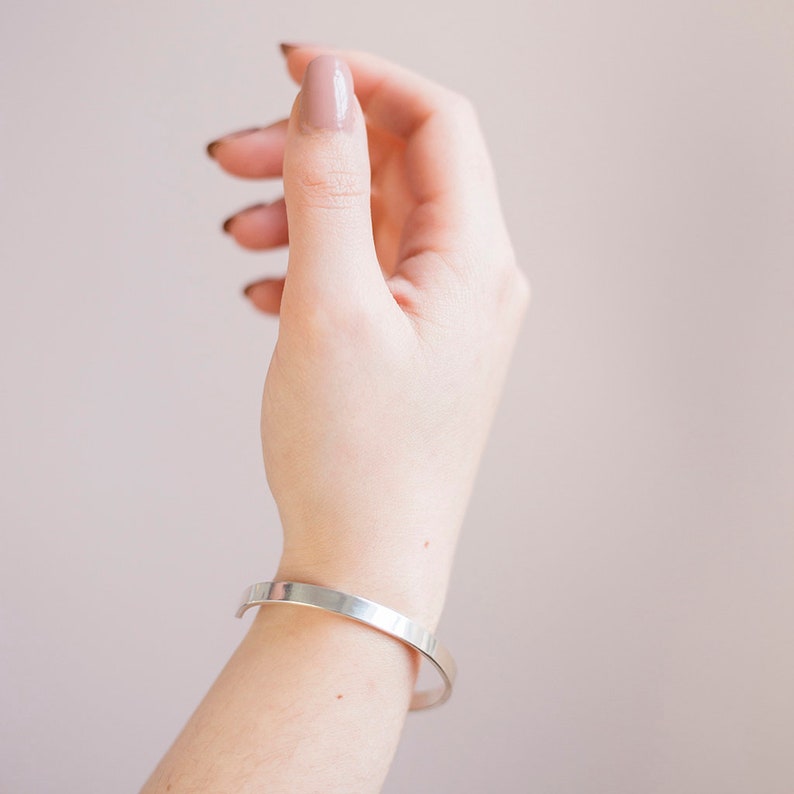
(259,227)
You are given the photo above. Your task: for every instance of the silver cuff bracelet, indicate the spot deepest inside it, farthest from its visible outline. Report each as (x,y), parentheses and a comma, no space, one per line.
(368,612)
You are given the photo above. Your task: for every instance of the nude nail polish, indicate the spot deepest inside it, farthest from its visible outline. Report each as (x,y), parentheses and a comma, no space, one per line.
(327,101)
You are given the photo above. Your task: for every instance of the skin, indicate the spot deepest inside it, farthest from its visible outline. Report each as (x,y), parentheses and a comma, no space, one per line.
(397,318)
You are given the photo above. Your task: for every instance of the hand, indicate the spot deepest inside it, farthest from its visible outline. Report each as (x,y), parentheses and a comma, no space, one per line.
(398,314)
(397,317)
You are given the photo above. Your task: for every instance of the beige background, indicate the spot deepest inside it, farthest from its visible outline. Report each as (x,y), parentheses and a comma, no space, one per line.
(622,608)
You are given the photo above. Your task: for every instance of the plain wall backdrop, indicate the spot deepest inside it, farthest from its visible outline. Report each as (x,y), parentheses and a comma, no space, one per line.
(622,607)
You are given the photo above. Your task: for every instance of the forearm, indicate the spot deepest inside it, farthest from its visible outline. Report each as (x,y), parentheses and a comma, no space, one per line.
(310,701)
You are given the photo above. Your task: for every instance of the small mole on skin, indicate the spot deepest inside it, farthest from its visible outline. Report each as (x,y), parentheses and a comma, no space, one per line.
(168,787)
(339,697)
(427,543)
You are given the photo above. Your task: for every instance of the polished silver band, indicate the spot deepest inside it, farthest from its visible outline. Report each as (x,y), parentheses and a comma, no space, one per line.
(364,611)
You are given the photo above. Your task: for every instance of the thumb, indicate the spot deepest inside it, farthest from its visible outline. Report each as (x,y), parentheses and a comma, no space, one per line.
(327,190)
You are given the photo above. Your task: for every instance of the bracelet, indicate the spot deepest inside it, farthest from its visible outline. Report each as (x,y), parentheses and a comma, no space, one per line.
(364,611)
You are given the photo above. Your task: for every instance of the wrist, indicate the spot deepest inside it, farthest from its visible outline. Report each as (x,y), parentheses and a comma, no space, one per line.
(415,587)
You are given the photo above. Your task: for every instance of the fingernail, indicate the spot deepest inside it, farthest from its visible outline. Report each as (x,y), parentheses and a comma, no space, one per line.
(327,95)
(288,46)
(227,224)
(212,146)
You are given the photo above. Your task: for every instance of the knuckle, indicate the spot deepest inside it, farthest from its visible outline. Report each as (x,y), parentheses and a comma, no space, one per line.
(514,291)
(460,107)
(332,188)
(523,289)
